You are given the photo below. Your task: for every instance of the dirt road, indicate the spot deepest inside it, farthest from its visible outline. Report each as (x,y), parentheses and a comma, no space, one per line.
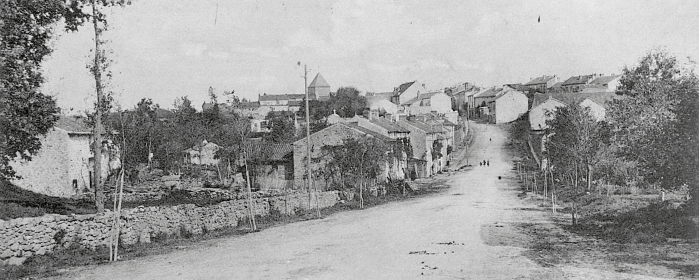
(456,234)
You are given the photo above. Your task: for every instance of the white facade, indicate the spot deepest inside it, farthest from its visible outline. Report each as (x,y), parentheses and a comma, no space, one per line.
(510,106)
(411,92)
(543,112)
(597,111)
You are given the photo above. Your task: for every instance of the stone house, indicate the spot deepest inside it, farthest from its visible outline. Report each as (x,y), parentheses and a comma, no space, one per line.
(578,83)
(63,166)
(607,83)
(484,97)
(319,89)
(407,91)
(543,83)
(438,102)
(203,153)
(508,106)
(423,138)
(329,136)
(272,164)
(381,102)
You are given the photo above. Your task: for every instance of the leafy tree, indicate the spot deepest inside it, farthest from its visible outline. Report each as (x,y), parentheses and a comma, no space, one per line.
(282,127)
(347,102)
(355,160)
(577,142)
(26,28)
(656,125)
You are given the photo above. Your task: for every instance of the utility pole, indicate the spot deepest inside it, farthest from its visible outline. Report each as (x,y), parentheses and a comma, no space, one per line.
(308,142)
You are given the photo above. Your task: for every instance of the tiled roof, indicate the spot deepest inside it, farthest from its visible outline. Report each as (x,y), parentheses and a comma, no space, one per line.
(369,132)
(605,79)
(539,80)
(489,93)
(574,98)
(268,151)
(388,125)
(299,96)
(575,80)
(295,102)
(73,124)
(319,81)
(426,127)
(249,105)
(273,97)
(402,88)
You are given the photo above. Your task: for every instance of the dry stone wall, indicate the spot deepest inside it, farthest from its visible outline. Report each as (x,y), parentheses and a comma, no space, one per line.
(23,237)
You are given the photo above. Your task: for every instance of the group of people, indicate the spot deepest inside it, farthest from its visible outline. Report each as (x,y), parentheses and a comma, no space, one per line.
(484,163)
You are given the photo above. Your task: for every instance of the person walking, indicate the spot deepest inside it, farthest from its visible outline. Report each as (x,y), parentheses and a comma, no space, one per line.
(488,162)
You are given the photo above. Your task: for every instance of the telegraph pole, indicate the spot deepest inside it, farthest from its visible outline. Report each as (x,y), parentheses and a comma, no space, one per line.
(308,141)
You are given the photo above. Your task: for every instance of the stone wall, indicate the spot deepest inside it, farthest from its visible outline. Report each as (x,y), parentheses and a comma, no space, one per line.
(23,237)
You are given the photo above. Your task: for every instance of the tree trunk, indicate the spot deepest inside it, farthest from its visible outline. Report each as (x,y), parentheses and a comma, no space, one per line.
(589,177)
(97,149)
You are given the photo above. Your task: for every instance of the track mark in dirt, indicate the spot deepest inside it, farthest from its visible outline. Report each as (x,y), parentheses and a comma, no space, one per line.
(421,253)
(309,271)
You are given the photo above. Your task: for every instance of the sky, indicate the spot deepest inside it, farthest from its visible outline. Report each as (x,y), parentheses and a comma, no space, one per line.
(165,49)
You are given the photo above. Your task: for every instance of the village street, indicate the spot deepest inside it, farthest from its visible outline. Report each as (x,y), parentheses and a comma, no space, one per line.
(453,234)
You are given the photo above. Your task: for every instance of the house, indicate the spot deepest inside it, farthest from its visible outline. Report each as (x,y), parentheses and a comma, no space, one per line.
(607,83)
(329,136)
(509,106)
(381,103)
(424,138)
(438,102)
(578,83)
(484,97)
(203,153)
(407,91)
(542,84)
(319,89)
(63,166)
(271,164)
(282,102)
(543,103)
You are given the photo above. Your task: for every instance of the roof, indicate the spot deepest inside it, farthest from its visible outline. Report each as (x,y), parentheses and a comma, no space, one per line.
(388,125)
(376,96)
(426,127)
(295,102)
(575,98)
(540,80)
(319,81)
(73,124)
(369,132)
(605,79)
(402,88)
(273,97)
(575,80)
(268,151)
(508,92)
(299,96)
(352,126)
(249,105)
(491,92)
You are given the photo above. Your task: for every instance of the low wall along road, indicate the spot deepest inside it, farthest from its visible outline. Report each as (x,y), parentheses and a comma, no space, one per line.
(23,237)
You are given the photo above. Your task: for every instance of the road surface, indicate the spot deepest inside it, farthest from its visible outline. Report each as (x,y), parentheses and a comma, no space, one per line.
(450,235)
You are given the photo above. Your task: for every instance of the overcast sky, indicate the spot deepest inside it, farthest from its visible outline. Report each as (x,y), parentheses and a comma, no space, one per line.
(164,49)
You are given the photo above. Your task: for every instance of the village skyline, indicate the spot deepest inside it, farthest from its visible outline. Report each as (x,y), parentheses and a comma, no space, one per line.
(167,50)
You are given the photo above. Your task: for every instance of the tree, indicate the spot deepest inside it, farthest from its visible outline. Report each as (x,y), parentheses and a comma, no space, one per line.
(26,29)
(282,128)
(656,125)
(347,102)
(355,160)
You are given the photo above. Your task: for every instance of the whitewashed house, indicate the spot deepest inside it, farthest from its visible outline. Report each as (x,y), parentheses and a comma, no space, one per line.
(407,91)
(438,102)
(509,106)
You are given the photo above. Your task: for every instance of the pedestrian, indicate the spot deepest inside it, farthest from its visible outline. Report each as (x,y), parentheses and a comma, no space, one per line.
(488,162)
(480,164)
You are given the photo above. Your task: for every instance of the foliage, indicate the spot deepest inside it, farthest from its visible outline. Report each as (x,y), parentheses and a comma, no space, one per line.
(576,142)
(281,124)
(26,29)
(656,126)
(353,161)
(346,102)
